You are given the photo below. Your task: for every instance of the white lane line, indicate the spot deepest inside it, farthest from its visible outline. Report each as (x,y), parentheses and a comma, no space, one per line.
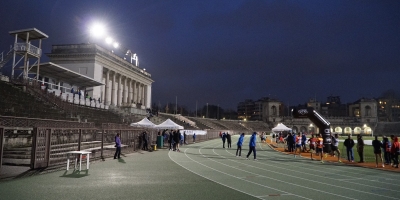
(316,175)
(325,177)
(239,177)
(207,177)
(377,172)
(314,168)
(274,178)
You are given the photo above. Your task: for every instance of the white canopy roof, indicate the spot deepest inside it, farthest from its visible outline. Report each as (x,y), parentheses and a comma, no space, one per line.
(168,124)
(143,123)
(281,127)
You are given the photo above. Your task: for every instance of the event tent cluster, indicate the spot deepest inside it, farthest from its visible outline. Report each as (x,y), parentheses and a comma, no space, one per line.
(281,127)
(167,124)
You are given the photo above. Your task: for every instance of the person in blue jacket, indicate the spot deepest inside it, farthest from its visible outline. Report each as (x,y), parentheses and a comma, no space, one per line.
(118,147)
(252,145)
(239,145)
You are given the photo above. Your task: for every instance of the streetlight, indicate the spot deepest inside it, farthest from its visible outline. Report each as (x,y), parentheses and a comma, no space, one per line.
(97,30)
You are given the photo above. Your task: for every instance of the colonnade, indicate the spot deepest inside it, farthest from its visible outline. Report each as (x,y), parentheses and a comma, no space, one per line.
(121,90)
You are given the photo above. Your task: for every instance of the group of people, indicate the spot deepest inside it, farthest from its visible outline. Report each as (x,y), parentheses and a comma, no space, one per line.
(252,144)
(175,139)
(390,150)
(226,137)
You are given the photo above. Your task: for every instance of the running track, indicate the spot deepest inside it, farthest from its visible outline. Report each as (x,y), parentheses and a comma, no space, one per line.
(279,176)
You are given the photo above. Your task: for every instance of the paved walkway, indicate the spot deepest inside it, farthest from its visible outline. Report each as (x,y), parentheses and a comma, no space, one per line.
(207,171)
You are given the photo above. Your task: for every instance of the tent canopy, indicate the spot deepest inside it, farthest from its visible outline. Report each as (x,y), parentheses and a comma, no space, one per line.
(168,124)
(281,127)
(143,123)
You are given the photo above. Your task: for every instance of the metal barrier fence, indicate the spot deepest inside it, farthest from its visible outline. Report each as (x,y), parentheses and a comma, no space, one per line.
(50,145)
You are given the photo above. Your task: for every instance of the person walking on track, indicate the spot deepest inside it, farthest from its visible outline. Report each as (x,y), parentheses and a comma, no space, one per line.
(239,145)
(312,141)
(252,146)
(320,146)
(118,147)
(223,139)
(335,146)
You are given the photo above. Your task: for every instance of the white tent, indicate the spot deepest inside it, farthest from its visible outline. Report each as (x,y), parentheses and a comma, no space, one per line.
(281,127)
(168,124)
(144,123)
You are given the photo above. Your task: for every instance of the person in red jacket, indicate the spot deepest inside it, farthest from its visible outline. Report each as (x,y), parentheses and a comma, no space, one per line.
(395,151)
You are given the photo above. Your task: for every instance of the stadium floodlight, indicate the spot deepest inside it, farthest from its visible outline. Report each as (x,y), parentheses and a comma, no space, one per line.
(109,40)
(115,45)
(97,30)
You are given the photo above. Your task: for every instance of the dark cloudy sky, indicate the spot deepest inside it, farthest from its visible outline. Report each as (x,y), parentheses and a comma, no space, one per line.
(225,51)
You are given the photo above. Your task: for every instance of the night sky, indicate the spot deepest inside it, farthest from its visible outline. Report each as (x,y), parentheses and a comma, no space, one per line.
(225,51)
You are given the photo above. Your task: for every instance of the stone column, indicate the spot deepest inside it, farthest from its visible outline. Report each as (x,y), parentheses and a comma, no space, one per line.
(130,91)
(113,89)
(134,90)
(107,88)
(142,94)
(145,96)
(119,94)
(138,93)
(125,90)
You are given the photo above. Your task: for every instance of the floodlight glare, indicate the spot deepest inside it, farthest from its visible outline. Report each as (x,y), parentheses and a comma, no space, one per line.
(116,45)
(97,30)
(109,40)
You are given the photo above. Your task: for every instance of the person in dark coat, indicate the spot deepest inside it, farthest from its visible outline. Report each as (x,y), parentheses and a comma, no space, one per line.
(377,151)
(170,140)
(176,140)
(360,148)
(229,139)
(223,139)
(184,137)
(144,138)
(386,145)
(289,141)
(349,144)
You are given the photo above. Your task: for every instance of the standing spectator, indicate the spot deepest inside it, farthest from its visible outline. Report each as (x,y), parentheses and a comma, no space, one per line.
(335,146)
(386,147)
(395,150)
(176,140)
(194,137)
(239,145)
(360,148)
(223,139)
(377,151)
(170,140)
(349,144)
(118,147)
(144,135)
(184,137)
(289,142)
(252,145)
(229,139)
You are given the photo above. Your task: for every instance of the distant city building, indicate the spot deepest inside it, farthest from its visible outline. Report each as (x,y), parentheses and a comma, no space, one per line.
(264,109)
(389,109)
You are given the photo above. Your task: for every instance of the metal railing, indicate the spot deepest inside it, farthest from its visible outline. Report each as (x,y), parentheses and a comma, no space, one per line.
(26,47)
